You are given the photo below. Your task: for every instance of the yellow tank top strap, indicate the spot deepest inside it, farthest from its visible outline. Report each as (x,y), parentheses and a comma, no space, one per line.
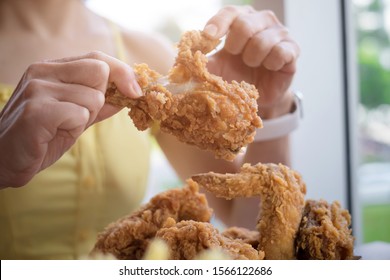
(5,92)
(121,54)
(118,41)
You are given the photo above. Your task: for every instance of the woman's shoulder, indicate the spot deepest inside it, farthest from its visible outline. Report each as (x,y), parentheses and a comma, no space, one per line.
(151,48)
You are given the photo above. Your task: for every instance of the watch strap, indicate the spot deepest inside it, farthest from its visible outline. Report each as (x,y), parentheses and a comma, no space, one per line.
(283,125)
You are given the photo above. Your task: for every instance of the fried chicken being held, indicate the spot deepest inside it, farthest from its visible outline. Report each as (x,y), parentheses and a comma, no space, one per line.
(325,233)
(188,239)
(281,191)
(129,237)
(197,107)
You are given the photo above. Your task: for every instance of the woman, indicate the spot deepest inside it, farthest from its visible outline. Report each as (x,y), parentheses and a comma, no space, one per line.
(79,163)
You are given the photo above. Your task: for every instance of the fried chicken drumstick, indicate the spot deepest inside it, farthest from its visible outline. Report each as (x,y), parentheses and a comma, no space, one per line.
(197,107)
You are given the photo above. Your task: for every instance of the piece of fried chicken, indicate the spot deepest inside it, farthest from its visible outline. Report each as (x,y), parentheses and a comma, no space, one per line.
(197,107)
(250,237)
(188,239)
(325,233)
(129,237)
(281,191)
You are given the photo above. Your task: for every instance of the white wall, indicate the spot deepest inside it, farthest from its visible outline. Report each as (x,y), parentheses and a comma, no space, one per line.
(318,145)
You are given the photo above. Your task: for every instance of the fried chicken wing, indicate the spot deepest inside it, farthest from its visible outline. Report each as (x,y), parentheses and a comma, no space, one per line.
(129,237)
(188,239)
(325,233)
(281,191)
(197,107)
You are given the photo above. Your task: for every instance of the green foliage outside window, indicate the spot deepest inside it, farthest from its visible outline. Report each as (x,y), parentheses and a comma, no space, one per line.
(374,68)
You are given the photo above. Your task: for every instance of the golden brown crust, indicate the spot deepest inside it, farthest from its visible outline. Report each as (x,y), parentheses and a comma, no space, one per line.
(247,236)
(207,111)
(281,191)
(287,227)
(187,239)
(129,237)
(325,232)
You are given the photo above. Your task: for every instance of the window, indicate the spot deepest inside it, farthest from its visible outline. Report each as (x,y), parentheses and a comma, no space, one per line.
(345,74)
(372,27)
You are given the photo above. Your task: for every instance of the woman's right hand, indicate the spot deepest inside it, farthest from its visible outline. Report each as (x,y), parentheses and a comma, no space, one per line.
(53,104)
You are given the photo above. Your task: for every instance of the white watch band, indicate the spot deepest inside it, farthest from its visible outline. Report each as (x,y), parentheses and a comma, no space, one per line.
(283,125)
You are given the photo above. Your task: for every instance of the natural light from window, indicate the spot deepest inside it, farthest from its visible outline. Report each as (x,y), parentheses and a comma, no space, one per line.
(373,39)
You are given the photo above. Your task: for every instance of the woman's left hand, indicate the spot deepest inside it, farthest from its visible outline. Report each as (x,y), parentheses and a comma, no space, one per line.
(259,50)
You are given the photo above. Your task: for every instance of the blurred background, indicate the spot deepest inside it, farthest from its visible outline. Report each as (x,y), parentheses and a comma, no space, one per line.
(342,147)
(372,18)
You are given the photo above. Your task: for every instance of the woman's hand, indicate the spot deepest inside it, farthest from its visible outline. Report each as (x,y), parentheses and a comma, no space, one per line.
(259,50)
(53,104)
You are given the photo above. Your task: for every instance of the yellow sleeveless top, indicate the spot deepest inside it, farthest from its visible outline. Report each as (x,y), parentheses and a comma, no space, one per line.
(101,178)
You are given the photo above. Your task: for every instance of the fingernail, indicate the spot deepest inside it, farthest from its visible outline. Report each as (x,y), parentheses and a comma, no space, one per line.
(136,89)
(211,30)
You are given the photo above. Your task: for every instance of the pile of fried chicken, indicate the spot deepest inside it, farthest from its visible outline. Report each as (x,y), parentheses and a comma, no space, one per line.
(197,107)
(288,227)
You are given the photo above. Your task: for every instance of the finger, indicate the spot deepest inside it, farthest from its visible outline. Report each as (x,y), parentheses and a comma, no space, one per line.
(261,44)
(283,56)
(245,26)
(47,119)
(84,96)
(41,90)
(107,111)
(87,97)
(72,119)
(219,24)
(88,72)
(121,74)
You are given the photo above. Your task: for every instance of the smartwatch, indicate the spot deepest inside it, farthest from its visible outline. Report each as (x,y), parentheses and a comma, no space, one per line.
(283,125)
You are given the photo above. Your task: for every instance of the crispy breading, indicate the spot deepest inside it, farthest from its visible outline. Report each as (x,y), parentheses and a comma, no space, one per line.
(281,191)
(197,107)
(251,237)
(287,228)
(187,239)
(129,237)
(325,233)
